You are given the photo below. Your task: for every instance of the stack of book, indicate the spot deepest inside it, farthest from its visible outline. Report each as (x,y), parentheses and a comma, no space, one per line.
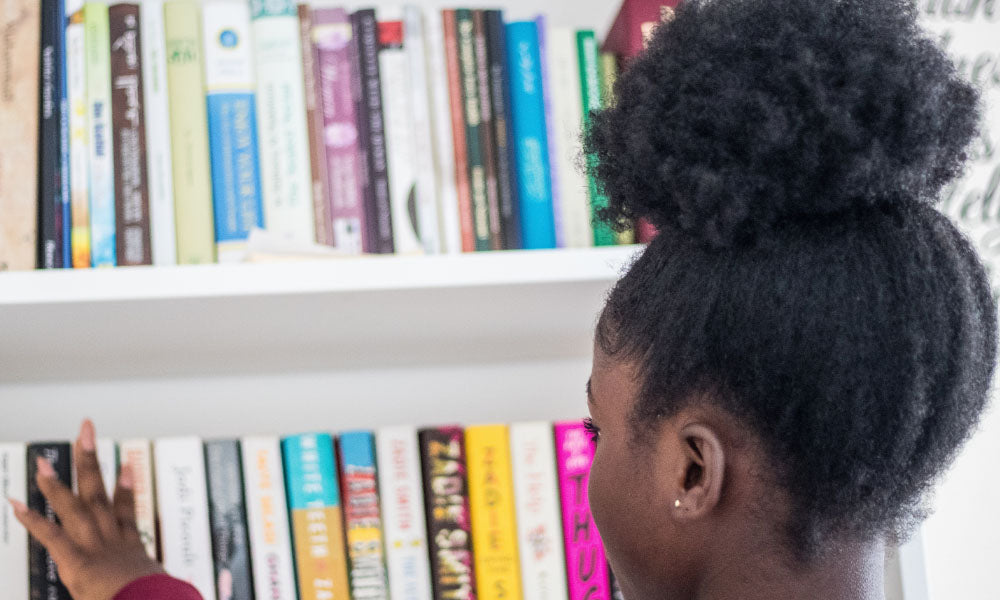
(166,131)
(488,512)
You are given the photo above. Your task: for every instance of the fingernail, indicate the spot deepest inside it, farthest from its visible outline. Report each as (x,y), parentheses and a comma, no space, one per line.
(125,478)
(87,441)
(19,508)
(45,468)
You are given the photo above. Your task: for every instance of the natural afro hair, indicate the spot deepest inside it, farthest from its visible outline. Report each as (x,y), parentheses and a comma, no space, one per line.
(790,152)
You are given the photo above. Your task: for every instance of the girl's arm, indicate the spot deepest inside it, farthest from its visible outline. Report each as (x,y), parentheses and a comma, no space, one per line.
(156,587)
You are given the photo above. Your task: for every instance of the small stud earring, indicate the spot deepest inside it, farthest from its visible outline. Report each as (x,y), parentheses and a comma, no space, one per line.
(677,503)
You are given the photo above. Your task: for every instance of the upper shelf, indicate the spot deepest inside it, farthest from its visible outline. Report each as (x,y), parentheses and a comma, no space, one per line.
(319,314)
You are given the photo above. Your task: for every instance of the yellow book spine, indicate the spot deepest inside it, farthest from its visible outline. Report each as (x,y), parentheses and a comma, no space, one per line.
(319,551)
(491,503)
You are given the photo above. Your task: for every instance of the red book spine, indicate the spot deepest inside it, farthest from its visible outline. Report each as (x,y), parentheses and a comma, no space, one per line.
(317,151)
(458,131)
(634,23)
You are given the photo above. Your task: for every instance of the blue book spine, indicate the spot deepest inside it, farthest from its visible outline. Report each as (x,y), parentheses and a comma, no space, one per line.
(531,139)
(67,216)
(310,471)
(357,449)
(542,22)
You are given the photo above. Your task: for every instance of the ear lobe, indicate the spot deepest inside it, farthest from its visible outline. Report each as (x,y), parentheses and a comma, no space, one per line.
(704,469)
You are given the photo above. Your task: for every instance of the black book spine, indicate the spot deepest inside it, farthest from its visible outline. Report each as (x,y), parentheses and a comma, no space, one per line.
(371,125)
(44,581)
(487,133)
(510,212)
(50,184)
(228,519)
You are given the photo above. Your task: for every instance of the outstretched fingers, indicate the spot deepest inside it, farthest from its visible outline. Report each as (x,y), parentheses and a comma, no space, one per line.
(74,516)
(124,506)
(50,535)
(89,481)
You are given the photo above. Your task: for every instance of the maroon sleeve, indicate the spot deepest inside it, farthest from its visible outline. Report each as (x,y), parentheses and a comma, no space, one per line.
(158,587)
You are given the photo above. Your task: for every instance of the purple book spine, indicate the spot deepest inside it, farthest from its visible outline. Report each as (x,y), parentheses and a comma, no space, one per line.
(333,36)
(543,51)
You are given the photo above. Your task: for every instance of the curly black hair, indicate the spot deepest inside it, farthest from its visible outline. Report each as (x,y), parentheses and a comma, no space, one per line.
(791,153)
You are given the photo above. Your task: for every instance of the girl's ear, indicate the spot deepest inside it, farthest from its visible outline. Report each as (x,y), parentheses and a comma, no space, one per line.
(699,471)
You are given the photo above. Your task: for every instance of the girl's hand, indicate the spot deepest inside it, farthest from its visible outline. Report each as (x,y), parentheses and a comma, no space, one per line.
(97,549)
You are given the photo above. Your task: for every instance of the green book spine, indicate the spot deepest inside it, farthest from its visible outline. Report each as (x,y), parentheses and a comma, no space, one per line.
(609,74)
(469,73)
(189,133)
(590,85)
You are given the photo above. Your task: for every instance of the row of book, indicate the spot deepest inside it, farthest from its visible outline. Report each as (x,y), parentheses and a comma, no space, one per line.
(168,130)
(489,512)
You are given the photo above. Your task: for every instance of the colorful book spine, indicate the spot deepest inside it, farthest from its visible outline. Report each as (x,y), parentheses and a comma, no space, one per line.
(362,516)
(400,146)
(590,87)
(228,520)
(545,66)
(20,51)
(283,143)
(609,74)
(107,459)
(79,141)
(192,177)
(531,139)
(446,497)
(101,161)
(472,114)
(133,236)
(64,140)
(491,505)
(182,508)
(500,98)
(137,455)
(487,135)
(587,571)
(536,494)
(463,184)
(158,162)
(368,100)
(322,221)
(232,125)
(44,580)
(13,536)
(50,209)
(402,493)
(317,521)
(267,519)
(333,43)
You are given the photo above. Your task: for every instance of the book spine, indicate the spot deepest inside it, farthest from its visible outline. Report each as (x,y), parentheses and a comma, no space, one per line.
(322,220)
(13,537)
(537,221)
(472,115)
(444,145)
(548,77)
(590,87)
(487,135)
(463,184)
(189,133)
(362,516)
(317,521)
(129,126)
(101,162)
(400,147)
(44,580)
(50,216)
(333,44)
(66,209)
(510,210)
(491,505)
(227,517)
(182,507)
(284,143)
(401,490)
(107,460)
(536,495)
(267,518)
(414,32)
(574,202)
(446,497)
(587,571)
(232,126)
(79,143)
(137,454)
(609,74)
(157,110)
(378,210)
(20,51)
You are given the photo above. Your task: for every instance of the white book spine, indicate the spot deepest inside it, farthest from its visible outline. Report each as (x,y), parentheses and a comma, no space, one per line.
(286,175)
(13,537)
(536,497)
(564,75)
(444,145)
(138,455)
(79,139)
(267,519)
(107,459)
(403,515)
(182,499)
(423,129)
(159,167)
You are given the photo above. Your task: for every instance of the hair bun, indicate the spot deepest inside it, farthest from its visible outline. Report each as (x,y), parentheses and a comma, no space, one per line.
(745,113)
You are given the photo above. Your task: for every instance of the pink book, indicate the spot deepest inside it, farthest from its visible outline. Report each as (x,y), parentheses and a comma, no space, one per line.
(586,565)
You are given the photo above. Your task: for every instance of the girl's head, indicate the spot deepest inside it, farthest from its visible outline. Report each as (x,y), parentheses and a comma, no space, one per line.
(808,342)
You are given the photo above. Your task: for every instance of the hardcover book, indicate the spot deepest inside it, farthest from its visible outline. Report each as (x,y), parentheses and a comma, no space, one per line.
(44,580)
(317,520)
(487,135)
(101,161)
(137,454)
(79,140)
(50,175)
(322,220)
(228,520)
(590,86)
(500,99)
(362,516)
(446,497)
(13,536)
(463,184)
(472,115)
(20,50)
